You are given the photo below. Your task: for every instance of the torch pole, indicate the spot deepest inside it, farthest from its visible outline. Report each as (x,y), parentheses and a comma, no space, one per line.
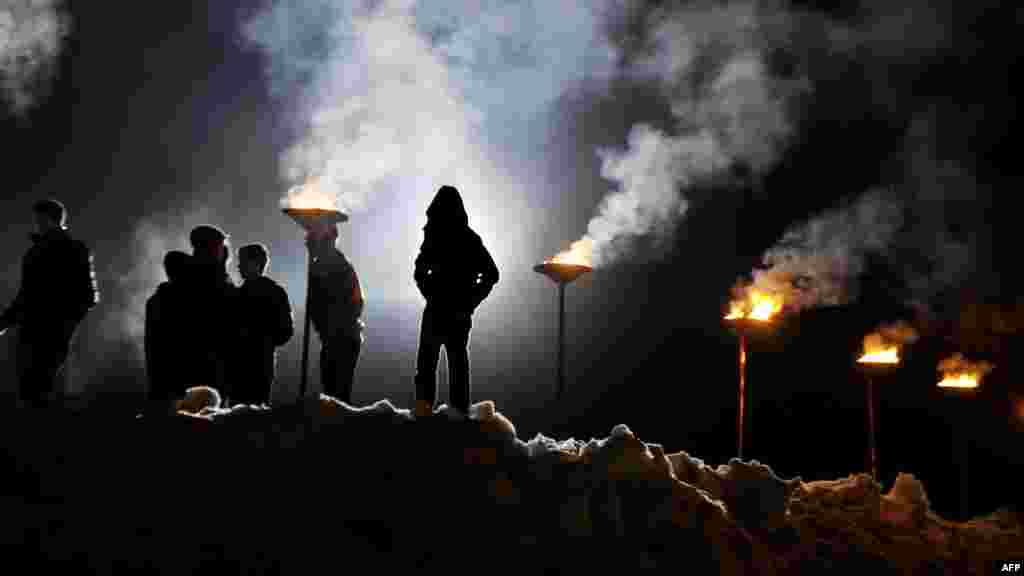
(561,340)
(742,395)
(963,477)
(305,331)
(872,447)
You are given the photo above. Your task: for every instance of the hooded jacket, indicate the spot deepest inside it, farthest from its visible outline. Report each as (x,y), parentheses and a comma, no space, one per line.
(167,330)
(453,271)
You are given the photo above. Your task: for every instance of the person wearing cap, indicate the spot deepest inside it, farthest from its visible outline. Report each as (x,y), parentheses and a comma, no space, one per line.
(213,315)
(58,289)
(335,307)
(455,273)
(265,324)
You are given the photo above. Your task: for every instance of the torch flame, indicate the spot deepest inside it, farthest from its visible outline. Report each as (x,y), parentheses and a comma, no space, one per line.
(887,356)
(878,351)
(883,345)
(958,372)
(757,305)
(309,195)
(579,253)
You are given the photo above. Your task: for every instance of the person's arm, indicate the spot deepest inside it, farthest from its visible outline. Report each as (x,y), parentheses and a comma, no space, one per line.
(150,344)
(83,278)
(12,315)
(358,300)
(421,273)
(285,323)
(488,272)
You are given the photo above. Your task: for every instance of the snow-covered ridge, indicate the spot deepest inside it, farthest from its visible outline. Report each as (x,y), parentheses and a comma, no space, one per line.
(741,503)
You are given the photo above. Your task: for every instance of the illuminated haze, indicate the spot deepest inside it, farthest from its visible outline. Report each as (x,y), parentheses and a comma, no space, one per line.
(396,98)
(31,32)
(728,108)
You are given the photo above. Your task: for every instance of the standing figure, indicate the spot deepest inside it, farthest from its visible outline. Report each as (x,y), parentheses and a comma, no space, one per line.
(455,273)
(58,288)
(335,305)
(166,331)
(213,314)
(265,324)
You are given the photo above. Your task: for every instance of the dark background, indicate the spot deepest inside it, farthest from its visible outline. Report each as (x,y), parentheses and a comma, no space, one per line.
(154,110)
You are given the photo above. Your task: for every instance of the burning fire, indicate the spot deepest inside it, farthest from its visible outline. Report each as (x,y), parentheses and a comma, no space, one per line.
(882,347)
(958,372)
(757,305)
(309,195)
(884,356)
(579,253)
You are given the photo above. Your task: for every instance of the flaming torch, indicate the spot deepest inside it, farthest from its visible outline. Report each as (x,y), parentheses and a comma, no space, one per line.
(563,269)
(312,209)
(881,355)
(748,315)
(960,378)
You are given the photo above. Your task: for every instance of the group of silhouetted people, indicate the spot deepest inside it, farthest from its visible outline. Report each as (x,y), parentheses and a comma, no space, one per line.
(201,329)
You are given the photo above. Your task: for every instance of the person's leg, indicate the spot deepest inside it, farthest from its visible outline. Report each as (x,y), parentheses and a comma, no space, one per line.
(346,365)
(457,347)
(39,363)
(328,370)
(426,359)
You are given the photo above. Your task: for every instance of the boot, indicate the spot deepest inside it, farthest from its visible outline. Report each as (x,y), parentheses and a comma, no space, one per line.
(423,409)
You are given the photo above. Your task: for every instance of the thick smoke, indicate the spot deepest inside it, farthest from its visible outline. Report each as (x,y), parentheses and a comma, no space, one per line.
(729,107)
(31,32)
(916,223)
(400,94)
(817,261)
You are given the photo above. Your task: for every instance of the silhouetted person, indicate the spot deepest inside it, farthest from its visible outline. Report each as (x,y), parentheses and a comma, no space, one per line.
(265,323)
(335,306)
(455,273)
(167,330)
(213,310)
(58,288)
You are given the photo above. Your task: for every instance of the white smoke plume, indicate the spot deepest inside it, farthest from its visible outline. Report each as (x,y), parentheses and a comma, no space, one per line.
(398,92)
(729,108)
(31,32)
(153,238)
(815,263)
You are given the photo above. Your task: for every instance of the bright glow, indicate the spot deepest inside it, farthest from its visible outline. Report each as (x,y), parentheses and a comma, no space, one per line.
(757,305)
(309,195)
(959,372)
(580,253)
(887,356)
(877,350)
(959,381)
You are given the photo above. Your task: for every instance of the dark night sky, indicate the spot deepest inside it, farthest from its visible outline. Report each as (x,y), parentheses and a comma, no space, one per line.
(156,113)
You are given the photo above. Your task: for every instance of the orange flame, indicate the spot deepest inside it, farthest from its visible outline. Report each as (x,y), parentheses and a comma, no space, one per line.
(757,305)
(883,346)
(958,372)
(580,252)
(309,195)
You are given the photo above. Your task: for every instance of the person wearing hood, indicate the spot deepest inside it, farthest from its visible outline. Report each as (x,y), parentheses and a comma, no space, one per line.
(166,331)
(265,324)
(336,303)
(58,289)
(455,273)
